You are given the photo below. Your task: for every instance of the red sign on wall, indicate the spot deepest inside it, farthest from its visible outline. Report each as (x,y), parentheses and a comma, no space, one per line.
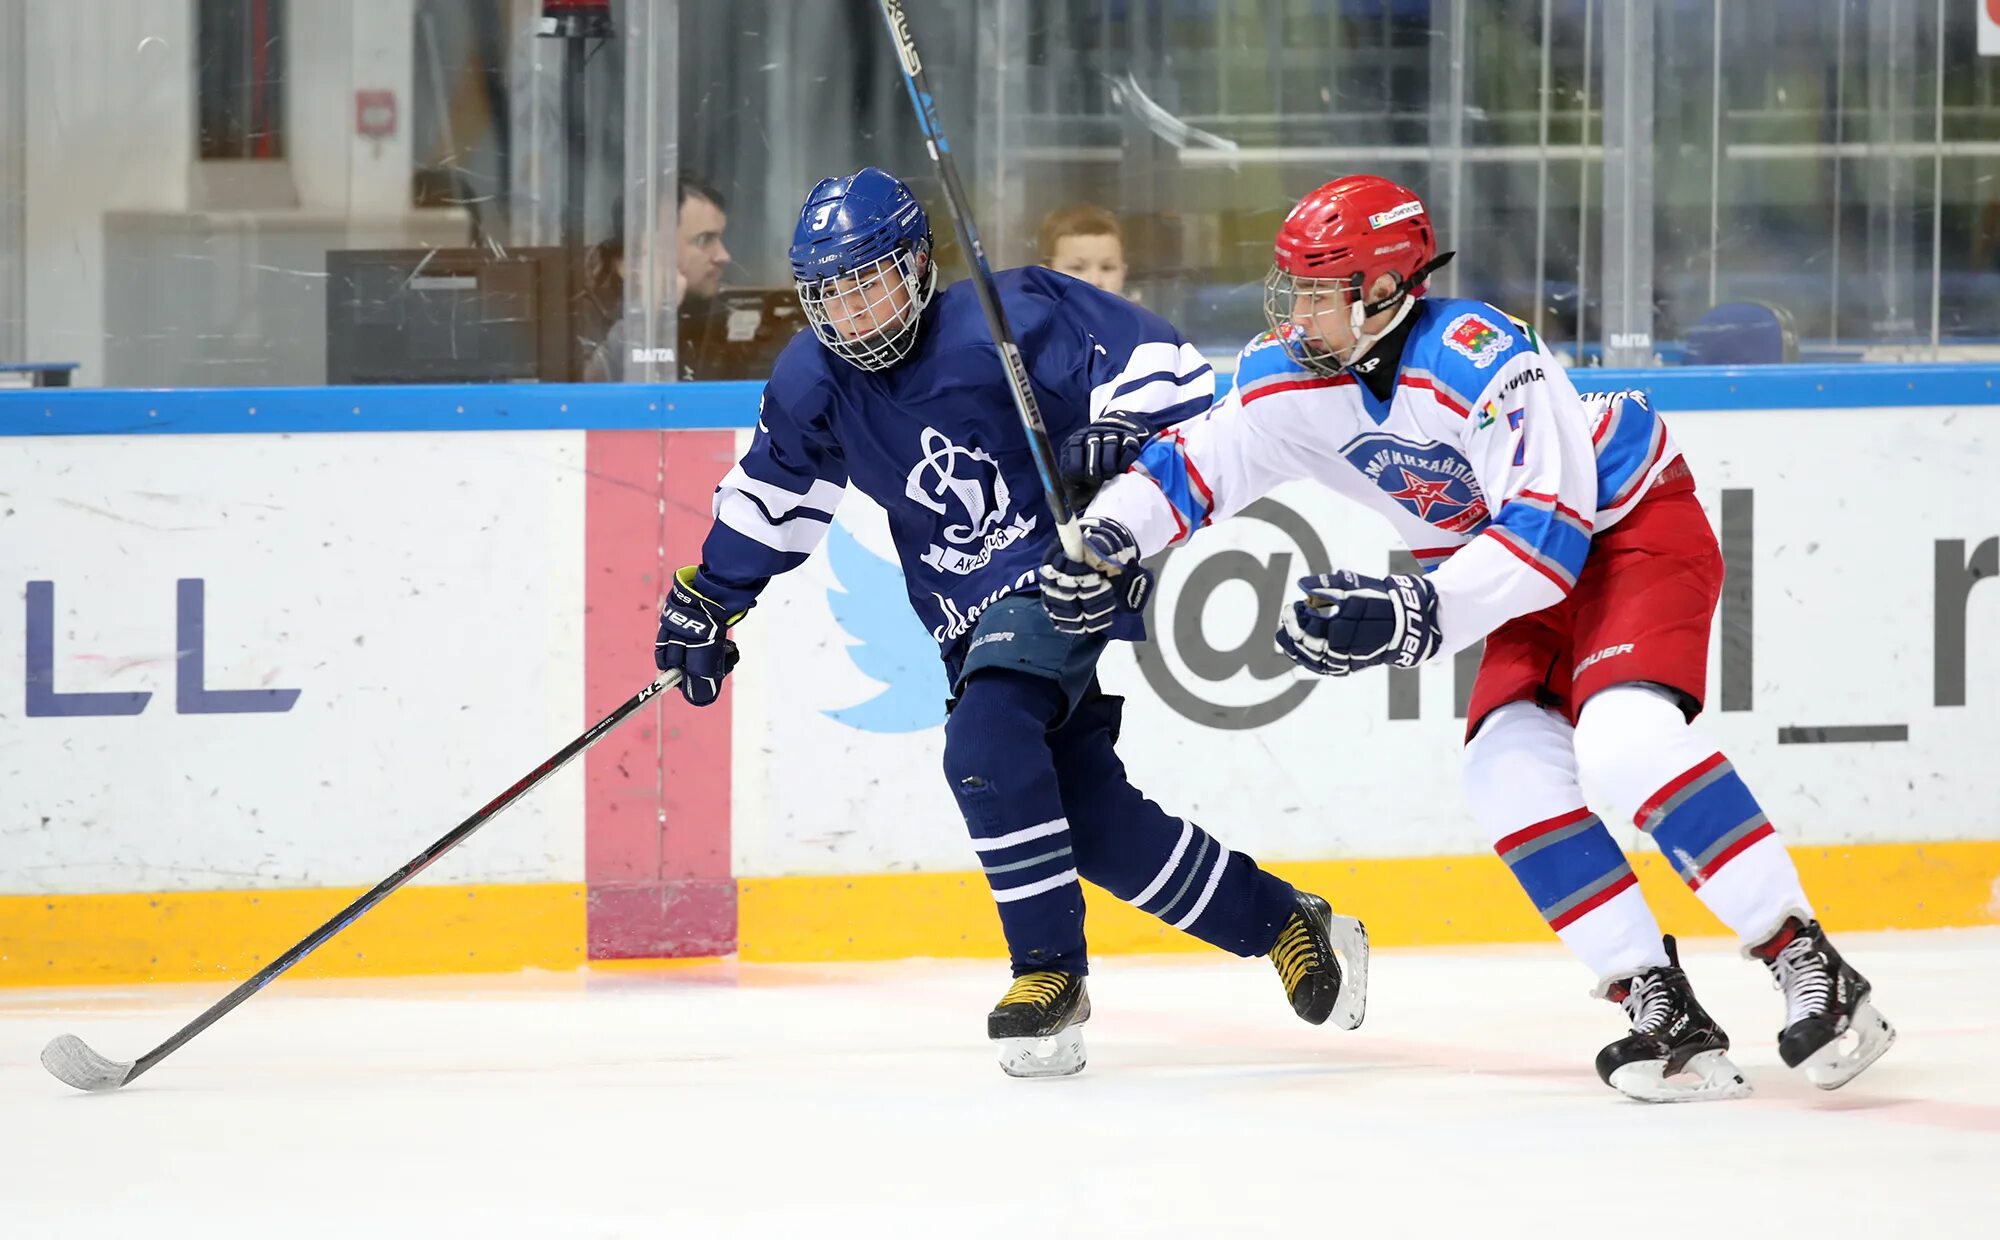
(374,113)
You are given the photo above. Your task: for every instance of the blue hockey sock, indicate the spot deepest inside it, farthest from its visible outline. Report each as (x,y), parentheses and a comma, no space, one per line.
(996,755)
(1165,865)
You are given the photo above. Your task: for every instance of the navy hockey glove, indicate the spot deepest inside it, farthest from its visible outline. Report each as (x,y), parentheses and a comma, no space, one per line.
(1103,450)
(694,637)
(1083,596)
(1347,622)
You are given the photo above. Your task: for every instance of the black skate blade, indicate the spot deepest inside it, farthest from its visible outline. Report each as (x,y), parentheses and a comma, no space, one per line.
(1866,1039)
(73,1063)
(1708,1077)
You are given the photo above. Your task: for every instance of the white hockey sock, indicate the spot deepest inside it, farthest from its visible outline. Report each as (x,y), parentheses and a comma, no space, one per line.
(1520,773)
(1637,750)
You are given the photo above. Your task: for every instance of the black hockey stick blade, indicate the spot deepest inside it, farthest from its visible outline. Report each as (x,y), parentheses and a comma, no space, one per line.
(72,1062)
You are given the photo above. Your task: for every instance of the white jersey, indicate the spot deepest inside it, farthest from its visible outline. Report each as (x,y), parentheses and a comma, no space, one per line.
(1490,466)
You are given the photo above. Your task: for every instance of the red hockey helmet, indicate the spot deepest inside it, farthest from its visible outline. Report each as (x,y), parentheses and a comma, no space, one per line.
(1330,251)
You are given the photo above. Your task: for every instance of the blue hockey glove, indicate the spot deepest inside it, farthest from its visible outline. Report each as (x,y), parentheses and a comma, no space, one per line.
(694,637)
(1103,450)
(1347,622)
(1083,596)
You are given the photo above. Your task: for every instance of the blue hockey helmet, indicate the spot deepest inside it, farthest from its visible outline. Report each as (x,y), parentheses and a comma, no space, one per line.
(861,258)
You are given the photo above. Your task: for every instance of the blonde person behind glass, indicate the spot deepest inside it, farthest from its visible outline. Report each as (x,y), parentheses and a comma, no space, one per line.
(1084,241)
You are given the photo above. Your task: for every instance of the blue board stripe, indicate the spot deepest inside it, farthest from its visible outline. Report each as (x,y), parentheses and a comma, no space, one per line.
(492,407)
(709,406)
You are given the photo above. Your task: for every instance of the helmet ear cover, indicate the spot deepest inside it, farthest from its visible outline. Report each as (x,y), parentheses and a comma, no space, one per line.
(1404,286)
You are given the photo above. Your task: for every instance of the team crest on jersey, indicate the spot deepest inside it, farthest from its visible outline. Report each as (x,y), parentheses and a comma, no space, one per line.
(1476,338)
(964,486)
(1430,480)
(1264,340)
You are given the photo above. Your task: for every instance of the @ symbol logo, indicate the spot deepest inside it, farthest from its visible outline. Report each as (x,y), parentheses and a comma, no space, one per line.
(1211,656)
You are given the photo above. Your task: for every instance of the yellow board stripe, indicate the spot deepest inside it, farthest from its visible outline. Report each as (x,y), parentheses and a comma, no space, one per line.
(1405,901)
(66,940)
(60,940)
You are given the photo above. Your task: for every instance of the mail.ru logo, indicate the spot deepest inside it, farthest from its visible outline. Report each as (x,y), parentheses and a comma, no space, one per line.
(872,605)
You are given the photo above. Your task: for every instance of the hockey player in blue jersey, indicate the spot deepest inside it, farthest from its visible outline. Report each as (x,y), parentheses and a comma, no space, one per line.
(901,395)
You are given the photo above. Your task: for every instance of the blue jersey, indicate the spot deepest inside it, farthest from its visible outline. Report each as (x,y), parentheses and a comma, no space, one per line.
(936,441)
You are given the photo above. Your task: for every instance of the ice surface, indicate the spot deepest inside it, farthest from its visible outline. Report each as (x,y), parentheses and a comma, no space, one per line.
(719,1099)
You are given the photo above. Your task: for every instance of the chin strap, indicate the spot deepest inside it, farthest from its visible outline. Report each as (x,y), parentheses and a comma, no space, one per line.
(1360,312)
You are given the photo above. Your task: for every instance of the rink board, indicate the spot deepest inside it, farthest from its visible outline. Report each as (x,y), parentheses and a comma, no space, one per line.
(272,644)
(1405,901)
(1413,901)
(224,935)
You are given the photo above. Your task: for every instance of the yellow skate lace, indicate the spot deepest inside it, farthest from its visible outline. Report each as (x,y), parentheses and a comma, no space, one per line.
(1294,953)
(1039,988)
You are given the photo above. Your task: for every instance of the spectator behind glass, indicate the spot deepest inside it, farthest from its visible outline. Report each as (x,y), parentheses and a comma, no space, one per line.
(701,255)
(1085,241)
(700,258)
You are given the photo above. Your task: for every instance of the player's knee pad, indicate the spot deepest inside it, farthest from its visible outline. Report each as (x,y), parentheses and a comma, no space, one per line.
(1632,740)
(1520,769)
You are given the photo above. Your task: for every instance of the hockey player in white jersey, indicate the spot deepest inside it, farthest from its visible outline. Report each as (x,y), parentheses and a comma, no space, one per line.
(1564,531)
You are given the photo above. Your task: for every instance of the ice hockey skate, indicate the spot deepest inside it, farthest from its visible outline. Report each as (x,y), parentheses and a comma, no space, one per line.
(1675,1052)
(1322,958)
(1038,1024)
(1831,1030)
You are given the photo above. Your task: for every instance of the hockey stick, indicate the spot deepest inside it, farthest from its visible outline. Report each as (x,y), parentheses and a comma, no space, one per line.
(73,1063)
(982,278)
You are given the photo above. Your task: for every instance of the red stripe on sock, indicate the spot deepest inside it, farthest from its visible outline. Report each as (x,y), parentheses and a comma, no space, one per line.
(1625,881)
(1673,786)
(1722,858)
(1509,843)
